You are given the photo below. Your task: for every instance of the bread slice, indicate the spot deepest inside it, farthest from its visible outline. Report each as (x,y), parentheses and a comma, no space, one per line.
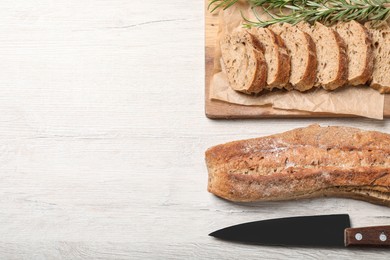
(332,59)
(302,163)
(359,49)
(301,49)
(244,62)
(276,56)
(381,44)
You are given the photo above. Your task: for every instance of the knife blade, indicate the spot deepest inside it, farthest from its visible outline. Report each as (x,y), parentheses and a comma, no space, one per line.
(307,231)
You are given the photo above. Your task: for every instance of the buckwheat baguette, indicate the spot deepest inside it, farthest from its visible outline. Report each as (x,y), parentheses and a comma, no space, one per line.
(303,163)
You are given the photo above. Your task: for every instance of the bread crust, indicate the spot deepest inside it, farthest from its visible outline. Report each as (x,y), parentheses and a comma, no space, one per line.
(307,183)
(309,77)
(380,88)
(261,74)
(261,71)
(342,73)
(356,164)
(367,74)
(284,62)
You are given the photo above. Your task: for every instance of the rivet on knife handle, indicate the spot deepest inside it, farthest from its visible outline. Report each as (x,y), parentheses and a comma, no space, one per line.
(368,236)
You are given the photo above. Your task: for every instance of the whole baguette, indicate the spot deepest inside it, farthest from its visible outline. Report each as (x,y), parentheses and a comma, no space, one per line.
(303,163)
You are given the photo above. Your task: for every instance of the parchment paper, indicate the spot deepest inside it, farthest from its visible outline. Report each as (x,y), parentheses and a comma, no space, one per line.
(361,101)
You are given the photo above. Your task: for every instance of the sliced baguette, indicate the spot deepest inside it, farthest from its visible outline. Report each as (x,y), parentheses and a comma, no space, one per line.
(301,49)
(302,163)
(381,44)
(244,62)
(359,49)
(332,59)
(276,56)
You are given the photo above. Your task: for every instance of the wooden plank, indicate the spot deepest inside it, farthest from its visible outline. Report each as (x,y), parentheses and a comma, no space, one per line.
(216,109)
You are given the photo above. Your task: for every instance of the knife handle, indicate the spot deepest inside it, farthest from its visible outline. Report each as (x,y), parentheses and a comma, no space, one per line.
(377,236)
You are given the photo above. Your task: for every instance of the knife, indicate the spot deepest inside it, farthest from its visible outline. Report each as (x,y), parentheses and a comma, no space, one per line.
(309,231)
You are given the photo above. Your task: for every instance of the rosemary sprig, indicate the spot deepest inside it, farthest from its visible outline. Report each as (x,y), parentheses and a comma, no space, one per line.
(276,3)
(325,11)
(224,4)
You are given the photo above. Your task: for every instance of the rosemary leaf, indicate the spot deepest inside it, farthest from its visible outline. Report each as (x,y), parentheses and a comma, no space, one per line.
(224,4)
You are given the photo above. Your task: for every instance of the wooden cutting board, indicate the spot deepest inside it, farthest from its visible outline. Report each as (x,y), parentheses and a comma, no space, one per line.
(221,110)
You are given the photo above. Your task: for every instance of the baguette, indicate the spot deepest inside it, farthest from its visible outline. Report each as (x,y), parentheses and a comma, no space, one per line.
(303,163)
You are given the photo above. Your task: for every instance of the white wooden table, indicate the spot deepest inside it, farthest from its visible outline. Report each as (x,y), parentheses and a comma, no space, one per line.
(103,133)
